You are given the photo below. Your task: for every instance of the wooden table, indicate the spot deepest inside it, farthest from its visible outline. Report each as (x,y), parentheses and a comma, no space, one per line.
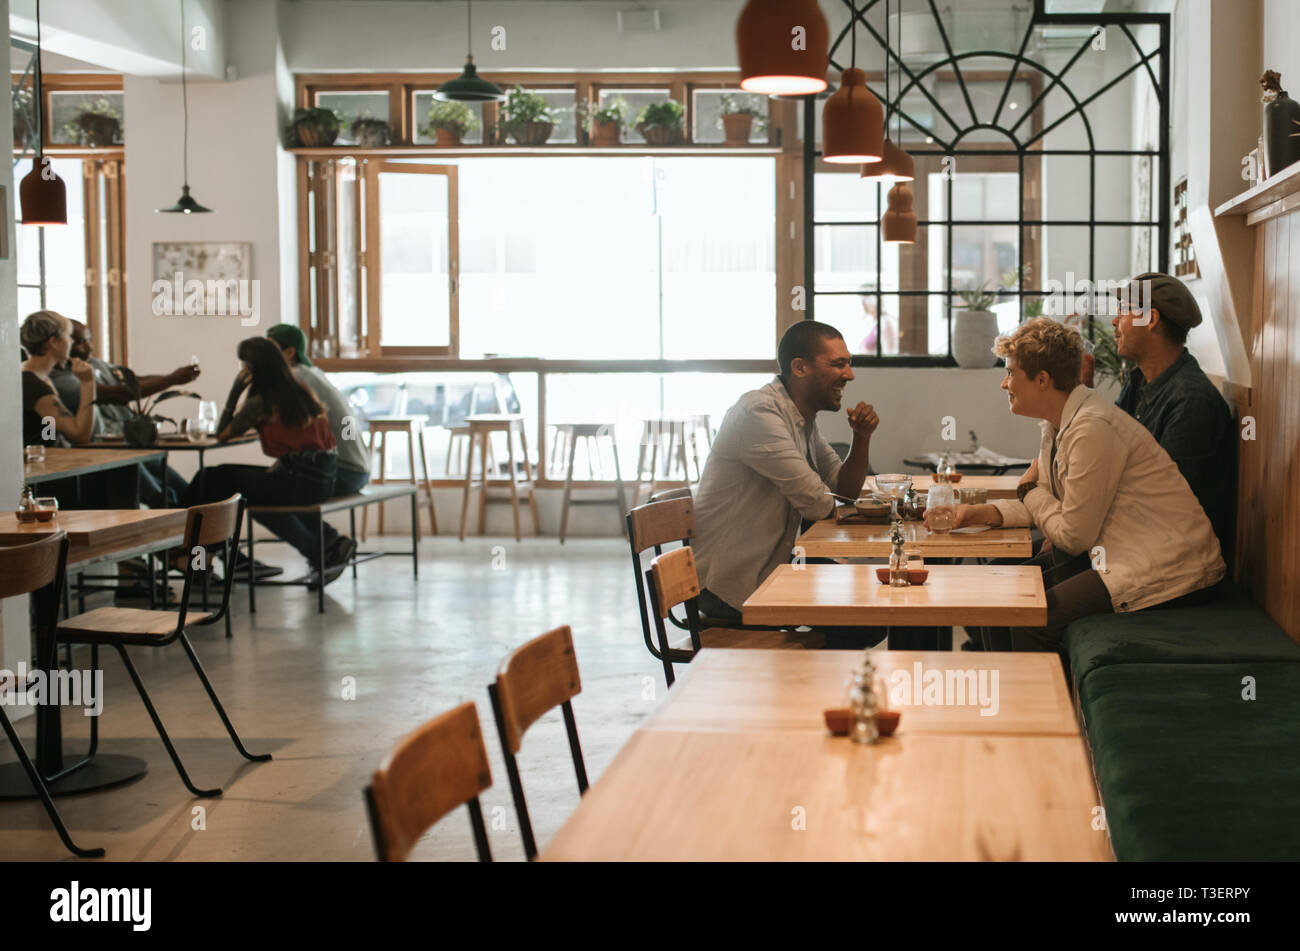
(850,596)
(169,444)
(997,486)
(780,691)
(94,535)
(737,775)
(830,539)
(82,460)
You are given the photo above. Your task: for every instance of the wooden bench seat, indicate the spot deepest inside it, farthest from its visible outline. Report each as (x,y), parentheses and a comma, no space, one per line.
(384,492)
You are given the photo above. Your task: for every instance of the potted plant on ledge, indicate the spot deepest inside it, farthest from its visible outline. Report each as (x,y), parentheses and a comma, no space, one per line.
(974,328)
(661,123)
(313,128)
(450,122)
(526,117)
(97,126)
(605,123)
(370,133)
(739,121)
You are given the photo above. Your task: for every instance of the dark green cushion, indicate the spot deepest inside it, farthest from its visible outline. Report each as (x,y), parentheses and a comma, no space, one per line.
(1221,632)
(1188,769)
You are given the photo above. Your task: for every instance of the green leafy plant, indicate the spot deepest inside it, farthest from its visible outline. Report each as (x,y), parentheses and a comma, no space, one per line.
(453,116)
(143,407)
(975,297)
(371,133)
(100,124)
(730,107)
(612,112)
(315,127)
(668,114)
(522,107)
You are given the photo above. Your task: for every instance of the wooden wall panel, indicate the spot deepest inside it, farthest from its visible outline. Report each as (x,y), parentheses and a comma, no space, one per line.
(1268,523)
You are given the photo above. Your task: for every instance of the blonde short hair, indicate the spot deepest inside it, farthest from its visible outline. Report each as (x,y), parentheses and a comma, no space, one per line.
(1043,344)
(40,328)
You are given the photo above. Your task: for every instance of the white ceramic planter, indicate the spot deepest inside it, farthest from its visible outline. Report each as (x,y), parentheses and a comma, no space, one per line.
(973,333)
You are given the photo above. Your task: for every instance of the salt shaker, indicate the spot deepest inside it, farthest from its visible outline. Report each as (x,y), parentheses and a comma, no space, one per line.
(897,558)
(864,702)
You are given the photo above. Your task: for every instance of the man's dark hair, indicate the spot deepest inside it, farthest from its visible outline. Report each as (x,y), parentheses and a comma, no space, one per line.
(1174,333)
(804,341)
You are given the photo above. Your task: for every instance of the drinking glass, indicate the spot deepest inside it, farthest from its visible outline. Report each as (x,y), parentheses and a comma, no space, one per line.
(941,510)
(47,507)
(893,484)
(195,429)
(208,413)
(34,454)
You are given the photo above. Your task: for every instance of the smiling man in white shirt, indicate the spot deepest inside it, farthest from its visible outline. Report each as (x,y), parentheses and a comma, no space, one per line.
(769,468)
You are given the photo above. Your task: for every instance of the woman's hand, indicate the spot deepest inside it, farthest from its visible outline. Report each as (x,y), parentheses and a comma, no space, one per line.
(964,515)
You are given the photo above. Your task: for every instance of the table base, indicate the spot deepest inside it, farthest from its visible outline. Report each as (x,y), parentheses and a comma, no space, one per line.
(105,770)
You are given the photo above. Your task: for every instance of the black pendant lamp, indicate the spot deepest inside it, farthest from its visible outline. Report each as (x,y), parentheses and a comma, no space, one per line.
(185,205)
(41,194)
(469,86)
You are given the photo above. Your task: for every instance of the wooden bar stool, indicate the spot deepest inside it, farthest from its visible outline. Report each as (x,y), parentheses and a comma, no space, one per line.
(571,434)
(695,426)
(481,429)
(412,427)
(673,467)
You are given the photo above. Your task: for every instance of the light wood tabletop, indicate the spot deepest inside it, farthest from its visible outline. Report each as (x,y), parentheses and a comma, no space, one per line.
(685,796)
(830,539)
(95,534)
(998,487)
(173,442)
(851,595)
(64,463)
(937,692)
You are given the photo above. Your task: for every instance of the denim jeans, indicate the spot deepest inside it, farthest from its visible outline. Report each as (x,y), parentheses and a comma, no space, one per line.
(300,531)
(299,478)
(151,479)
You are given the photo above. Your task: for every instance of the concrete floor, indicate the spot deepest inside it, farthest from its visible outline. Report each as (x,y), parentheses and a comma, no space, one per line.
(414,648)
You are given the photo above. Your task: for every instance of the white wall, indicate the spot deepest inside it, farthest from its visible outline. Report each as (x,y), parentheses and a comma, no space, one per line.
(14,634)
(238,169)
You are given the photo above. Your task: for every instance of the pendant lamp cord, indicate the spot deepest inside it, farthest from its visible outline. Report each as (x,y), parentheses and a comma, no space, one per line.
(469,29)
(40,106)
(898,55)
(185,107)
(853,35)
(889,105)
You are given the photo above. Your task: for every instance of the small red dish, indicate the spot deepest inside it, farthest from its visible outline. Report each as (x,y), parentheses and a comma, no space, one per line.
(840,721)
(914,575)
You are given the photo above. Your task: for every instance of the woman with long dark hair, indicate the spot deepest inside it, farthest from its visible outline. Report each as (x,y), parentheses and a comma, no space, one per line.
(292,427)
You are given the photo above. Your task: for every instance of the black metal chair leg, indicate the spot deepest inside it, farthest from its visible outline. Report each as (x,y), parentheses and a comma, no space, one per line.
(415,532)
(480,831)
(320,564)
(575,748)
(352,531)
(162,732)
(30,769)
(252,576)
(516,787)
(221,711)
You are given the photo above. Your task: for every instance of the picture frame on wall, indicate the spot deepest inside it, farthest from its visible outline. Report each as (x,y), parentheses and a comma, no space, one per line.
(205,279)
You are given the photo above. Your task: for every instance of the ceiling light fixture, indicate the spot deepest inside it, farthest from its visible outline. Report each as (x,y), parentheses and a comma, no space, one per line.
(42,196)
(783,47)
(852,119)
(185,205)
(898,226)
(469,86)
(895,164)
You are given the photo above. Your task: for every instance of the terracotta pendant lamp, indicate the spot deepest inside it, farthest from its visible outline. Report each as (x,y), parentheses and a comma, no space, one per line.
(898,226)
(853,118)
(783,47)
(895,165)
(185,205)
(41,194)
(469,86)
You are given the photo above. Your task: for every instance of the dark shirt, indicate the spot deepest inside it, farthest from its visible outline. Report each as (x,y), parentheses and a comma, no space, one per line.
(1183,410)
(34,388)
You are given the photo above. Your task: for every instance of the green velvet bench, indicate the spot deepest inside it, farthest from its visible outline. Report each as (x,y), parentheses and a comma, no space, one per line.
(1188,768)
(1191,771)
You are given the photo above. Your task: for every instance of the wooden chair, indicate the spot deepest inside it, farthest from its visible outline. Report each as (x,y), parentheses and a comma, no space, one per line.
(440,766)
(671,581)
(38,568)
(216,523)
(533,679)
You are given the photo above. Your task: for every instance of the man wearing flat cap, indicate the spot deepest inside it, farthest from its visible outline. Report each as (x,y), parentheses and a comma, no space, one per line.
(1169,393)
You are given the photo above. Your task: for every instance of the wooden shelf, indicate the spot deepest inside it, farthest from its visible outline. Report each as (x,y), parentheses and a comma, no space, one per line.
(432,151)
(1270,198)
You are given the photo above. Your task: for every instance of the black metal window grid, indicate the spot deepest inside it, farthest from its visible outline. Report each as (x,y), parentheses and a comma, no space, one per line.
(1026,147)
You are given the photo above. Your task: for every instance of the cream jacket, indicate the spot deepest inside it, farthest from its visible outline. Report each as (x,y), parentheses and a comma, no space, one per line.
(1115,494)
